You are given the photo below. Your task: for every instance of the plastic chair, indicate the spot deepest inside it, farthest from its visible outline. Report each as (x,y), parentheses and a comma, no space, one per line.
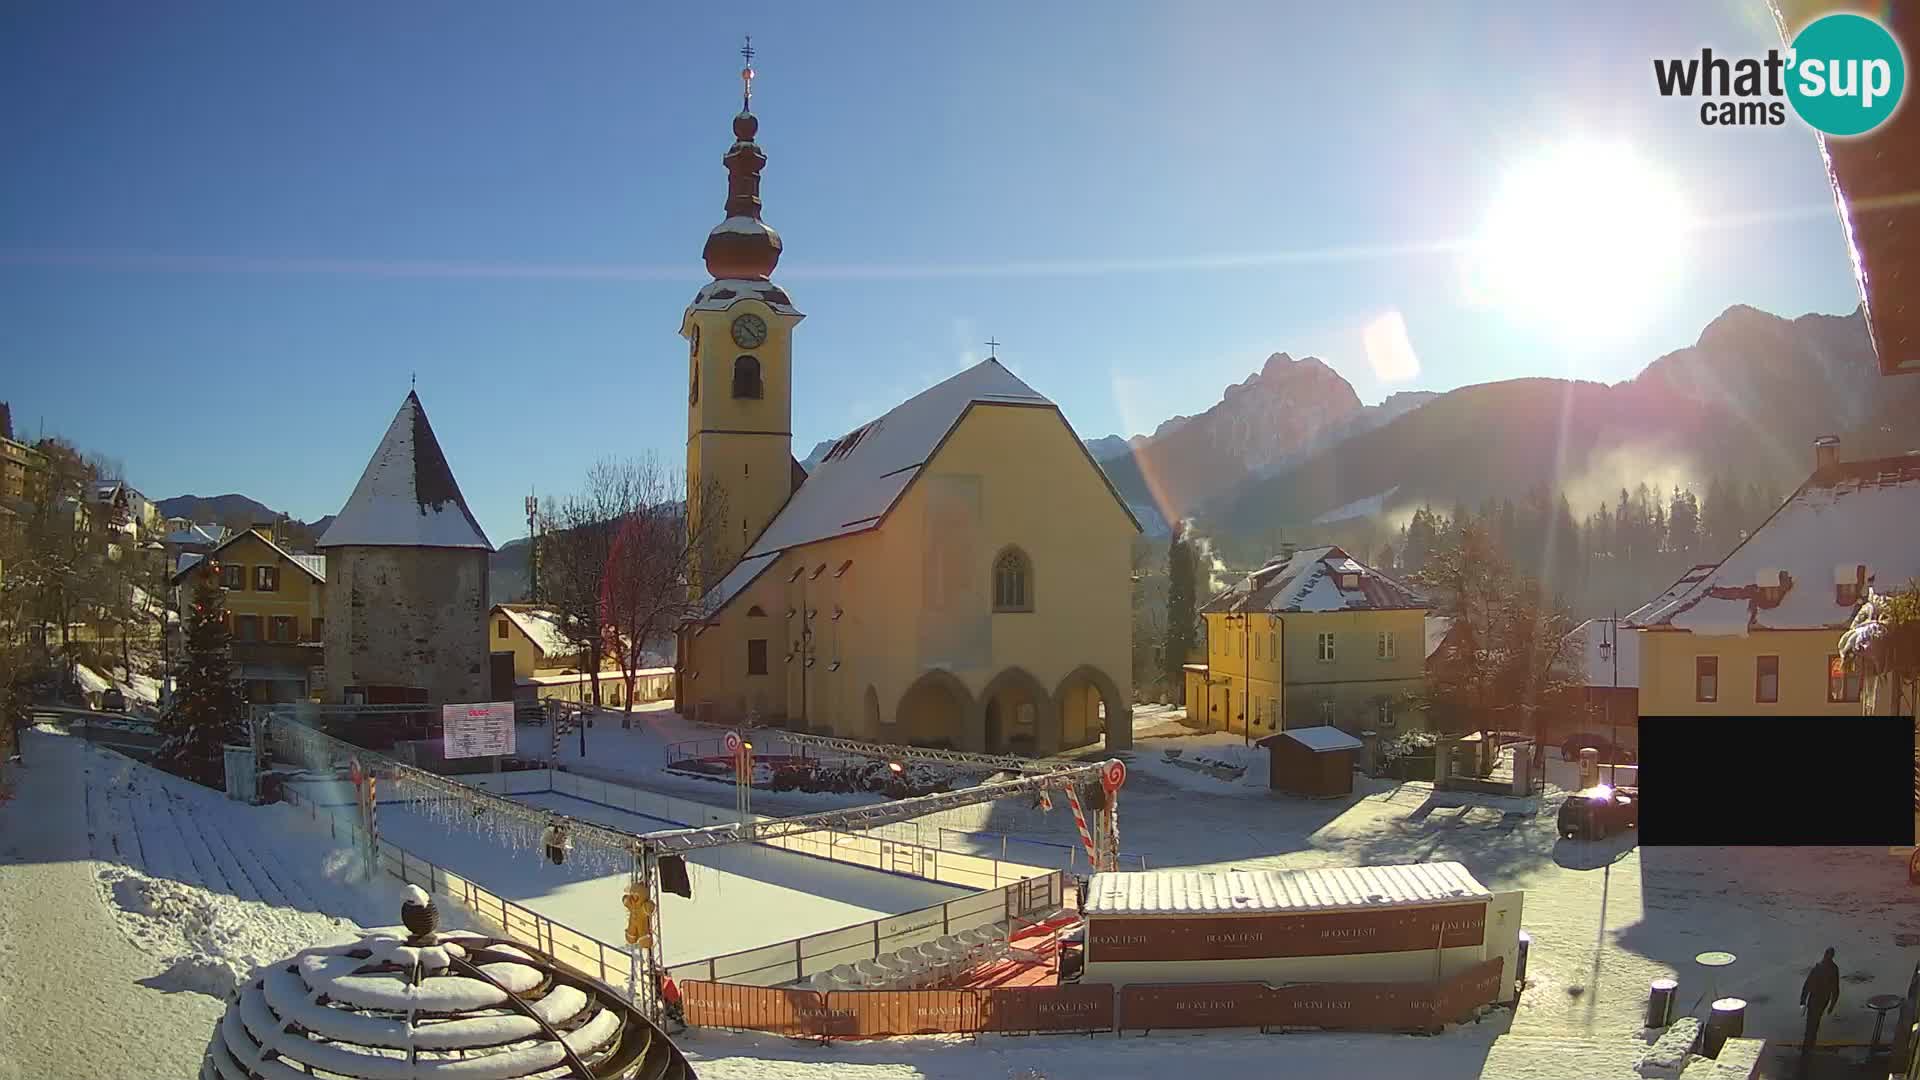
(897,970)
(871,973)
(845,976)
(916,967)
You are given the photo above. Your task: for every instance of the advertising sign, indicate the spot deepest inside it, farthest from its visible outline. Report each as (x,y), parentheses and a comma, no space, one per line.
(480,730)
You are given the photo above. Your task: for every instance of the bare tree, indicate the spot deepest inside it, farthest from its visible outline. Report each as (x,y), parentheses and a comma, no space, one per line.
(656,554)
(573,560)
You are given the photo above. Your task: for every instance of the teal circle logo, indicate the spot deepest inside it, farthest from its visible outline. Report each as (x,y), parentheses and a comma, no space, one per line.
(1846,74)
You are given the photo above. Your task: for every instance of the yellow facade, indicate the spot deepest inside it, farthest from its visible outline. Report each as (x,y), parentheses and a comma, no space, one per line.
(287,613)
(1670,666)
(1378,659)
(736,442)
(1048,678)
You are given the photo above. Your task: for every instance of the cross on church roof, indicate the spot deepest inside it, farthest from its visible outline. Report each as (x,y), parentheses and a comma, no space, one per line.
(993,348)
(746,76)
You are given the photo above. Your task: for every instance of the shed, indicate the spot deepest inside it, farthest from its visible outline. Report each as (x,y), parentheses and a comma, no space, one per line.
(1312,761)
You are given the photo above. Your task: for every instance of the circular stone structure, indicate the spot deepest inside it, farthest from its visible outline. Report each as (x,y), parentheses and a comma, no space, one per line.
(457,1005)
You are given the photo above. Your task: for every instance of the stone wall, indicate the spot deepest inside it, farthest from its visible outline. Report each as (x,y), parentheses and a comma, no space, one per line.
(401,616)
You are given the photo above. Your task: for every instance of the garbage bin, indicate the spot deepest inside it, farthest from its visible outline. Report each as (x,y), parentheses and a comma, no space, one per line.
(1660,1003)
(1728,1020)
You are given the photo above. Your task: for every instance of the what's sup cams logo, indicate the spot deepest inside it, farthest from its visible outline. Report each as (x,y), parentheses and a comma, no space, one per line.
(1844,75)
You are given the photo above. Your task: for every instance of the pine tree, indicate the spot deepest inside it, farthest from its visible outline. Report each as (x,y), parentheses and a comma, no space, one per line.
(1181,618)
(205,714)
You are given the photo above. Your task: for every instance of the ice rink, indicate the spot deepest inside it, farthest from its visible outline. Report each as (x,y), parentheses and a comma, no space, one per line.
(744,896)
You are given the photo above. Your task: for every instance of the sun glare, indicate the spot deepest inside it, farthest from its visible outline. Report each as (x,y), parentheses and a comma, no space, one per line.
(1585,239)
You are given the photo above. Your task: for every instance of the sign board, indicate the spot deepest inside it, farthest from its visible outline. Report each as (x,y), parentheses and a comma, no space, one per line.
(480,730)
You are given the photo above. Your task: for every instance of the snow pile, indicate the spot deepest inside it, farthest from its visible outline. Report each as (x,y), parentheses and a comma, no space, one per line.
(1668,1056)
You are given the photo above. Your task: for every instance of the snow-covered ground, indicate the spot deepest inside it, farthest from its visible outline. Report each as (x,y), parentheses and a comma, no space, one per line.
(128,898)
(743,896)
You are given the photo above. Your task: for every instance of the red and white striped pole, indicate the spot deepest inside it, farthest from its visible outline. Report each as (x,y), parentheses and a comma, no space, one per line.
(1080,822)
(1111,777)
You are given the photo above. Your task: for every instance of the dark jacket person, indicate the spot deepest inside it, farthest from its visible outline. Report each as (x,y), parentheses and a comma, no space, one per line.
(1818,996)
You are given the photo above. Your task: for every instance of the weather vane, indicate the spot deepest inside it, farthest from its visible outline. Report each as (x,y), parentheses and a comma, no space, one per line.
(746,76)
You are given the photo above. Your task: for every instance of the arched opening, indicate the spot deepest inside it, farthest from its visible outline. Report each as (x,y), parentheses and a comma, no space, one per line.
(933,711)
(746,377)
(1015,717)
(1089,705)
(870,712)
(1012,580)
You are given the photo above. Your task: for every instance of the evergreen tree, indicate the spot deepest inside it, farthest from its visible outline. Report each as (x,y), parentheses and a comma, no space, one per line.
(1181,603)
(205,714)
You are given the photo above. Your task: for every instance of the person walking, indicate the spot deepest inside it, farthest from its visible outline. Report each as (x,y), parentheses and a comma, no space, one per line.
(670,1002)
(1818,997)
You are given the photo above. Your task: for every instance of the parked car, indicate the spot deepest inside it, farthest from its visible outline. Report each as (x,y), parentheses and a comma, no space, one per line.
(1609,754)
(112,700)
(1599,812)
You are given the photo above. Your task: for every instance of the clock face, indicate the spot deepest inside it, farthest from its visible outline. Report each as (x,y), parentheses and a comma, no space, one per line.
(749,331)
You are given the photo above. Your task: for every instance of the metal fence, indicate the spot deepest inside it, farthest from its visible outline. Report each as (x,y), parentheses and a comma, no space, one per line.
(792,961)
(1017,850)
(610,964)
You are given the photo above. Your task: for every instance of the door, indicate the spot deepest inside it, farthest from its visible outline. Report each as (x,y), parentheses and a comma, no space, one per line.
(500,664)
(1503,941)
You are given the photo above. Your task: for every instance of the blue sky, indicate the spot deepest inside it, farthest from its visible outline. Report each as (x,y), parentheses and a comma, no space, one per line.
(229,232)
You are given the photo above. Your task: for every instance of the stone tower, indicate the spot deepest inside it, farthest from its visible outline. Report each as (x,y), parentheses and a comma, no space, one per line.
(739,331)
(406,598)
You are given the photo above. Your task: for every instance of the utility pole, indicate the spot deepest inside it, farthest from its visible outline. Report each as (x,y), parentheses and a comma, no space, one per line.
(1613,724)
(533,548)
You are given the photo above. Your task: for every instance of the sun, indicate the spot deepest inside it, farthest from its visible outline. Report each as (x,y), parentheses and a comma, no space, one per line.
(1586,239)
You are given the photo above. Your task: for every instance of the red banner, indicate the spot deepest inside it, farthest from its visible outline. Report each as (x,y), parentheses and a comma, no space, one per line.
(1120,938)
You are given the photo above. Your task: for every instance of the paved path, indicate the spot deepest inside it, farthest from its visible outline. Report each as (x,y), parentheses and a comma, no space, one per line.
(70,1001)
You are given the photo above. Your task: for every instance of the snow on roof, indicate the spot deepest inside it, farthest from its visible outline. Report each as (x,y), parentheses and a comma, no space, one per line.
(1322,739)
(1861,513)
(1190,892)
(1309,582)
(1596,666)
(316,565)
(408,496)
(1693,576)
(860,479)
(1437,627)
(723,293)
(542,627)
(198,534)
(738,578)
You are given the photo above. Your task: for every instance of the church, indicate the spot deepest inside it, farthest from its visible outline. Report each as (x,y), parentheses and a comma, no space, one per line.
(956,572)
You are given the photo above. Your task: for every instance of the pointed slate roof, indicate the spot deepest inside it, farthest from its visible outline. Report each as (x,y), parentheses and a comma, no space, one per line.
(407,497)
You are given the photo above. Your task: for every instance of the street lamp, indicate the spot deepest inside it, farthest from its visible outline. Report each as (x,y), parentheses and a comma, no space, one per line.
(1610,651)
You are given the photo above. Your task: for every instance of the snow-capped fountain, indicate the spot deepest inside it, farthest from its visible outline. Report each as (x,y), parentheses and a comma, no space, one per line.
(433,1005)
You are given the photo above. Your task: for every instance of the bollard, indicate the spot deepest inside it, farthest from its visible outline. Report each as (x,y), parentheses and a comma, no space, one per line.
(1520,962)
(1660,1002)
(1728,1020)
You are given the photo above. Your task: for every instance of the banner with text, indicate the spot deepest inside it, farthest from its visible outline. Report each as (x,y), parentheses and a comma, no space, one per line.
(480,730)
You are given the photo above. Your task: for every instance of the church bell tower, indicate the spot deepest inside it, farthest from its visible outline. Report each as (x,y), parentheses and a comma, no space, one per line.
(739,332)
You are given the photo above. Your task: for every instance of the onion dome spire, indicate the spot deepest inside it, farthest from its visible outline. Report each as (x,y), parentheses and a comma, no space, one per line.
(743,246)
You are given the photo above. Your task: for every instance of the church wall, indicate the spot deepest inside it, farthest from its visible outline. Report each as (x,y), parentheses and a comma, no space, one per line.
(399,616)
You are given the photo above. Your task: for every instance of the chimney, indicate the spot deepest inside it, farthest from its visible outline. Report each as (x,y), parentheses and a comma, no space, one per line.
(1826,452)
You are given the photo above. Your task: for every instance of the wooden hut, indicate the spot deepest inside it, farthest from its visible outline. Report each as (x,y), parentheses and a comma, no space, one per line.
(1313,761)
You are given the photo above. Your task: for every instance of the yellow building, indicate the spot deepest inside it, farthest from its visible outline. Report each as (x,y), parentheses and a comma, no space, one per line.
(954,572)
(545,664)
(1759,633)
(274,613)
(1314,637)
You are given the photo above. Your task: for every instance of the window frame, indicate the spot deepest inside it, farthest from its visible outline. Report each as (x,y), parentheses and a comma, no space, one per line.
(749,383)
(1759,679)
(1384,715)
(1324,650)
(291,625)
(1328,713)
(1701,664)
(1384,646)
(500,632)
(246,619)
(266,578)
(1845,688)
(1021,574)
(757,656)
(233,577)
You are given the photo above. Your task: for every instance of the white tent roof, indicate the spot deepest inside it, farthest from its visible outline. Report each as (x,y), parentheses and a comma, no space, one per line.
(1199,892)
(407,497)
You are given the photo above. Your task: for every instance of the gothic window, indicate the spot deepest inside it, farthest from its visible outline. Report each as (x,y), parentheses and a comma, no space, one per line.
(1012,581)
(746,377)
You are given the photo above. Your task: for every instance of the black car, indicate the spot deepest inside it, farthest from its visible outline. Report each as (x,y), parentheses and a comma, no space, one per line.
(1609,753)
(1599,812)
(112,700)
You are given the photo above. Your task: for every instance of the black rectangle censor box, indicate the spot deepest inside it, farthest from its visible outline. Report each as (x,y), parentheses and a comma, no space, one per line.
(1777,781)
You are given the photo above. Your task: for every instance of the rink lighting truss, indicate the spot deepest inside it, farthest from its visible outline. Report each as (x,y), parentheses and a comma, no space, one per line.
(995,762)
(316,749)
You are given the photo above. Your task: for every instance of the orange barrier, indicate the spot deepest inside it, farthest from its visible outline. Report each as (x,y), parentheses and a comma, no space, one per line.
(870,1014)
